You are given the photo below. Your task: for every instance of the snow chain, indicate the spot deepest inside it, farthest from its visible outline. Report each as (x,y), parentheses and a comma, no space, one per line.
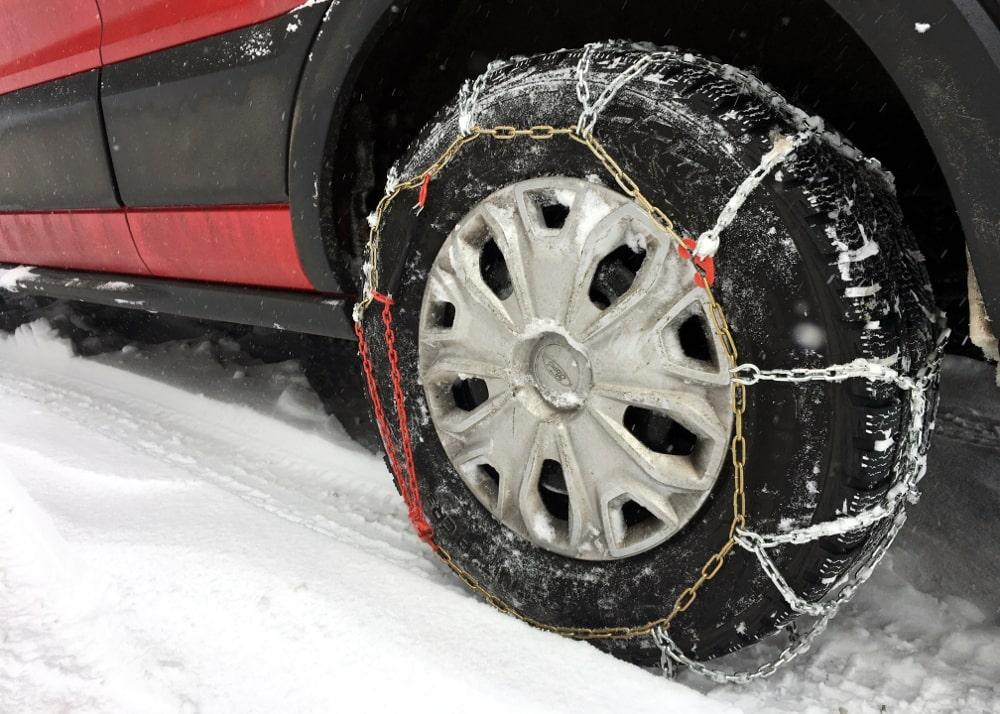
(908,471)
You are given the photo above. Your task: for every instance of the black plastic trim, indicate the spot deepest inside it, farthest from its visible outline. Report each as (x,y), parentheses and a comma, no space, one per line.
(208,122)
(107,144)
(350,29)
(277,309)
(53,149)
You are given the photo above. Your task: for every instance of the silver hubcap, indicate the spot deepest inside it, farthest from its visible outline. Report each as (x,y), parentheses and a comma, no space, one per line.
(570,371)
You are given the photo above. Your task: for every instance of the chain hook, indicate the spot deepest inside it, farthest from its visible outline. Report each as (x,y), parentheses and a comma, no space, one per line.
(669,668)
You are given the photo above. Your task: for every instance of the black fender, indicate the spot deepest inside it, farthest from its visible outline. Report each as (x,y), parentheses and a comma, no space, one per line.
(348,31)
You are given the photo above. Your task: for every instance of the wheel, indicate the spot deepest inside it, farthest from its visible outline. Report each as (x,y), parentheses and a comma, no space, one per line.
(568,397)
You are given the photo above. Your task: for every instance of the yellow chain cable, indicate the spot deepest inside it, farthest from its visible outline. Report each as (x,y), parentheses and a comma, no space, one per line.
(738,391)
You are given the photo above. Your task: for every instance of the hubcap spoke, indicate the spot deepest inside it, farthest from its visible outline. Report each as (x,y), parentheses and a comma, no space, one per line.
(628,473)
(477,331)
(553,255)
(458,422)
(679,469)
(499,440)
(540,523)
(586,525)
(463,261)
(507,229)
(650,350)
(690,409)
(689,319)
(655,286)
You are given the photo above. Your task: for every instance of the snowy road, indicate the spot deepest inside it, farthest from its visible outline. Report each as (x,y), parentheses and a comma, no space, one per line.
(180,534)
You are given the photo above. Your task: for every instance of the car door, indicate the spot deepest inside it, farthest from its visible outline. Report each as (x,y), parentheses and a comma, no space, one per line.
(117,135)
(58,203)
(196,96)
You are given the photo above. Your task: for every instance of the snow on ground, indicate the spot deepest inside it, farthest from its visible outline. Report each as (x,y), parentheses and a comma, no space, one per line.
(181,533)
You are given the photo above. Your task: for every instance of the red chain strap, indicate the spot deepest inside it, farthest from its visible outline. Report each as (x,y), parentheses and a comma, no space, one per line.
(704,267)
(425,184)
(404,472)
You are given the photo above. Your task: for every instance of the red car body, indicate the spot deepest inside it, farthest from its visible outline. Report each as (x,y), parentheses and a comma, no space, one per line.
(248,244)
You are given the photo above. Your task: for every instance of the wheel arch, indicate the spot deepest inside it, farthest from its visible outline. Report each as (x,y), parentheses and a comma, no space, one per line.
(346,35)
(890,109)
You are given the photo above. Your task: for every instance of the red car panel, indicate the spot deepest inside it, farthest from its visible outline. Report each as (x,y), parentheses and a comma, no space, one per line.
(245,245)
(47,39)
(137,27)
(83,240)
(250,245)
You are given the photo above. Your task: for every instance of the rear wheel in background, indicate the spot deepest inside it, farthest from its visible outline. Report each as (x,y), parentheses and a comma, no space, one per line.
(16,309)
(568,397)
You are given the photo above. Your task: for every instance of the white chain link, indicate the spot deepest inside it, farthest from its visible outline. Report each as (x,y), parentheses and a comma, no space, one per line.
(910,468)
(797,645)
(468,97)
(750,374)
(592,111)
(582,69)
(784,147)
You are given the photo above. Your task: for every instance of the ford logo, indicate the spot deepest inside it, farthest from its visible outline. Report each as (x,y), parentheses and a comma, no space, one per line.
(557,372)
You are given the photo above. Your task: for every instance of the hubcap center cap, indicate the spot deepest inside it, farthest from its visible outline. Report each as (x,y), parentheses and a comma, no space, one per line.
(561,373)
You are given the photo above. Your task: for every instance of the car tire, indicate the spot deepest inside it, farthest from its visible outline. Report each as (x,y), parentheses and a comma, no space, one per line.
(817,269)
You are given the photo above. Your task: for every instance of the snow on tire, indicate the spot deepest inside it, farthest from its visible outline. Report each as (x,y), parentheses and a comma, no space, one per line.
(817,268)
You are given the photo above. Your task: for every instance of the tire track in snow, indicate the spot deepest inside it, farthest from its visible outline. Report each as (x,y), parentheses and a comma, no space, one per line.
(214,631)
(252,466)
(59,648)
(922,652)
(974,429)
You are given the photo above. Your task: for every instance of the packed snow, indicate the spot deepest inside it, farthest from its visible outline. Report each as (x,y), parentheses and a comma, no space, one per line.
(115,286)
(182,529)
(10,278)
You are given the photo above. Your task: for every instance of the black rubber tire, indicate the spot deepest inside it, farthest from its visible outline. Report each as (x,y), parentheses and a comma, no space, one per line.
(689,131)
(334,372)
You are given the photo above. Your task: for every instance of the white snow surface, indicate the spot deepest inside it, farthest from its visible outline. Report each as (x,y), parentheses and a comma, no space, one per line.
(115,286)
(10,277)
(178,535)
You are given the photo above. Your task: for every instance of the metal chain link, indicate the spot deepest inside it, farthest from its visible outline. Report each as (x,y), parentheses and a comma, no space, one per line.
(909,470)
(708,242)
(908,473)
(591,112)
(797,645)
